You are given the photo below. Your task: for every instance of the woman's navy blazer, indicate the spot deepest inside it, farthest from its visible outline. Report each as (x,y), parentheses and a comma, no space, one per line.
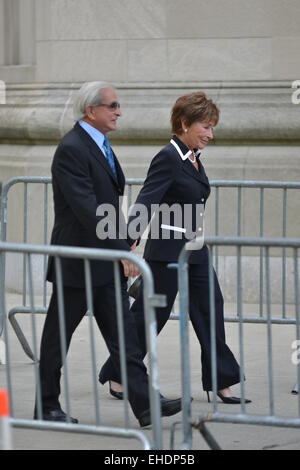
(173,179)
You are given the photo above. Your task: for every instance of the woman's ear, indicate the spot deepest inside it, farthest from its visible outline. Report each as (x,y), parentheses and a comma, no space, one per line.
(184,126)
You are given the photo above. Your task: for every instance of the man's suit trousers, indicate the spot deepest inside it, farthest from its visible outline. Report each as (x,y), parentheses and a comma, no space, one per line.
(51,359)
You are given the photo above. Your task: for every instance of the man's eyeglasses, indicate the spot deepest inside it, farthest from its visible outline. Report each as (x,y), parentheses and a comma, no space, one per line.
(114,105)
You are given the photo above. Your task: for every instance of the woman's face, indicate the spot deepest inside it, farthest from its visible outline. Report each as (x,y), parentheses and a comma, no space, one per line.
(198,134)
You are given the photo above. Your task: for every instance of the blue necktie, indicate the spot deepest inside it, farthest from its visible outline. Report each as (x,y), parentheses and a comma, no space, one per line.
(109,156)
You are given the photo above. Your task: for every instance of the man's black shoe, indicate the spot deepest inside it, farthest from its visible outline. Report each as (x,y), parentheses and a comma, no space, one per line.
(56,415)
(168,408)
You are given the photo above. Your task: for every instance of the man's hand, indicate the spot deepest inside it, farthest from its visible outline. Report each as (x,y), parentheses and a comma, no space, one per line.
(130,269)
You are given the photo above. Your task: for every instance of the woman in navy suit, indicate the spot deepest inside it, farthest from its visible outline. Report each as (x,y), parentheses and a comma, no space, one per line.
(176,180)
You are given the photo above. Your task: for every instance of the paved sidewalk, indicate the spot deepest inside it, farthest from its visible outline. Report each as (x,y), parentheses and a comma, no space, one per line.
(229,436)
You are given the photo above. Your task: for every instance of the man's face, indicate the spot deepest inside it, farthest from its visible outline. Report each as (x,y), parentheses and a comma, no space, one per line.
(104,116)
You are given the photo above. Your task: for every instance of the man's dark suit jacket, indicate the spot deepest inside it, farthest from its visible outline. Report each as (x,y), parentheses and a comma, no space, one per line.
(83,180)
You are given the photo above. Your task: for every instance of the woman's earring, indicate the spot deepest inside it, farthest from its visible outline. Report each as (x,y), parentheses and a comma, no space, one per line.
(185,130)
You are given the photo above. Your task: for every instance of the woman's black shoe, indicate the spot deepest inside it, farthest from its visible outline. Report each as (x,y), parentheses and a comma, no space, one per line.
(229,400)
(118,395)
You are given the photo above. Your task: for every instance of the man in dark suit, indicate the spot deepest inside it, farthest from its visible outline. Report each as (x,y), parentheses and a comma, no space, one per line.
(87,174)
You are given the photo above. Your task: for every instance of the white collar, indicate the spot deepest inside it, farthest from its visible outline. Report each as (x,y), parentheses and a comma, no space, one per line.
(94,133)
(183,157)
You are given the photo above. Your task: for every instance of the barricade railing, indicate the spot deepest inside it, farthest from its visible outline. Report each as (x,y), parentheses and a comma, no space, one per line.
(134,183)
(150,302)
(45,181)
(269,418)
(218,185)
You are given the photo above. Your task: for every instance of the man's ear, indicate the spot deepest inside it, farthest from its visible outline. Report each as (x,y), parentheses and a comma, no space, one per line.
(90,113)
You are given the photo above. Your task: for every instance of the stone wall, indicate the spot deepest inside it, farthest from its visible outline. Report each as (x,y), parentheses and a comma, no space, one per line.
(243,54)
(153,40)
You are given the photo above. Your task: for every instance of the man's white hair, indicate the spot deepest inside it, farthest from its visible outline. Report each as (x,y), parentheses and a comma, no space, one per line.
(90,94)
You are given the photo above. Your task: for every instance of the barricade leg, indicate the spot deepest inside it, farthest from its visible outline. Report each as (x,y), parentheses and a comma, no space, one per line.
(5,431)
(18,330)
(207,436)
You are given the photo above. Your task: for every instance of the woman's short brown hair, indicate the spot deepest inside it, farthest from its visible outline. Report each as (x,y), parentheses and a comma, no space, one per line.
(191,108)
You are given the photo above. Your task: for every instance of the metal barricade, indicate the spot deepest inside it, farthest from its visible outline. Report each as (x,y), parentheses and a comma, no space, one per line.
(269,418)
(263,316)
(45,181)
(218,186)
(150,302)
(287,189)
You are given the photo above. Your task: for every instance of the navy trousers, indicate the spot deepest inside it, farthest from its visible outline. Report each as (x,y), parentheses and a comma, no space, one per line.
(165,280)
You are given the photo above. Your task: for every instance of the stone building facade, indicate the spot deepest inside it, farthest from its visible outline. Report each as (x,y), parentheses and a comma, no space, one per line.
(244,54)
